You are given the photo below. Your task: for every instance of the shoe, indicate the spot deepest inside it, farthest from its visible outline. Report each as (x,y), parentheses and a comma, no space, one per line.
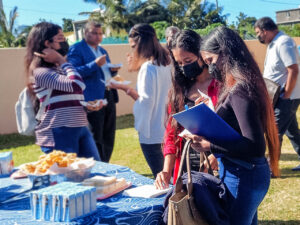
(273,176)
(297,168)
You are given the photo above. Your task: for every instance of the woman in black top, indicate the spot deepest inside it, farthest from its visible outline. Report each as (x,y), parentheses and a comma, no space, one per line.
(245,105)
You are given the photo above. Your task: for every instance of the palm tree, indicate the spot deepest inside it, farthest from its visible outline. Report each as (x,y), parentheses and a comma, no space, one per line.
(6,26)
(9,35)
(123,14)
(112,13)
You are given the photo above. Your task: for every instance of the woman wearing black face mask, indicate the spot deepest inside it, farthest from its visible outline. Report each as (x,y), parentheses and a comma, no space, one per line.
(245,105)
(190,75)
(58,86)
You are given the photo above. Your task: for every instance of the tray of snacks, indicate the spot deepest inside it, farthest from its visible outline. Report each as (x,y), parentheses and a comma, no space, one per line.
(59,165)
(106,186)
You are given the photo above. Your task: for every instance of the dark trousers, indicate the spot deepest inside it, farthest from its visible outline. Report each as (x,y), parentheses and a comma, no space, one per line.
(103,127)
(154,157)
(285,114)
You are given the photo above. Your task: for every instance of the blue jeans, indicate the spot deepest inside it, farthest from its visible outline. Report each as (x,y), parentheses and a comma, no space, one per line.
(248,184)
(285,114)
(74,140)
(154,157)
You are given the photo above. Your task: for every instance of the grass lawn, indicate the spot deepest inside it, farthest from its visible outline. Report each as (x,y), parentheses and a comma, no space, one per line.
(280,207)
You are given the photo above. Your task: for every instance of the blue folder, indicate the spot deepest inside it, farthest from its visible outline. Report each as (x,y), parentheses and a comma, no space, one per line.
(201,120)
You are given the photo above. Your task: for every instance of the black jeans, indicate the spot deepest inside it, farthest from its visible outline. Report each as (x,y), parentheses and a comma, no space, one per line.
(154,157)
(103,127)
(285,114)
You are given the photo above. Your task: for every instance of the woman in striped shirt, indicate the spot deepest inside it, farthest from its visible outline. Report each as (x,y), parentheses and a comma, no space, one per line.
(63,124)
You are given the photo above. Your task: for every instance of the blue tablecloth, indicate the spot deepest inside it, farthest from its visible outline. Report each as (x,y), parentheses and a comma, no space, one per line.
(117,209)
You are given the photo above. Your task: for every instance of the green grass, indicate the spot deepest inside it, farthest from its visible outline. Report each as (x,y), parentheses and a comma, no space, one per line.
(281,206)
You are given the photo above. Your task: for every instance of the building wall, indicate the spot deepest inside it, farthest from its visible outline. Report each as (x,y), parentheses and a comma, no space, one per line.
(288,16)
(13,79)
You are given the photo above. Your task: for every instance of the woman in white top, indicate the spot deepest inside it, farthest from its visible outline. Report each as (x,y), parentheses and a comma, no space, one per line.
(154,79)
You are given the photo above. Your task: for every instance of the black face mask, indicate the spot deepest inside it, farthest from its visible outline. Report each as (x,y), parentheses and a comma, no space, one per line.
(64,48)
(192,70)
(260,39)
(215,72)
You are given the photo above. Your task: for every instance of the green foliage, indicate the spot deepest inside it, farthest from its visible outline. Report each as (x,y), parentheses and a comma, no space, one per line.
(10,36)
(291,30)
(245,26)
(193,14)
(160,27)
(67,25)
(123,14)
(149,12)
(205,31)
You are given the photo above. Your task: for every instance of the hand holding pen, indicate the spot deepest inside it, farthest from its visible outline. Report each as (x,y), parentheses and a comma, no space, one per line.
(201,99)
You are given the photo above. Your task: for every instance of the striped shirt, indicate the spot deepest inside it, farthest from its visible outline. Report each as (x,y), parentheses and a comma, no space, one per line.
(63,108)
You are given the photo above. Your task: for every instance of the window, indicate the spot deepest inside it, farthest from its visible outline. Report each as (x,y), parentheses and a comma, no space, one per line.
(288,14)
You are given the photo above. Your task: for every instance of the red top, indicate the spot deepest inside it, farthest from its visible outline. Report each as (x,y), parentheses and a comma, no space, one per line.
(170,134)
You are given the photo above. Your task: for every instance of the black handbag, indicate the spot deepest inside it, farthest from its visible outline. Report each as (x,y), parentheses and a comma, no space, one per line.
(273,90)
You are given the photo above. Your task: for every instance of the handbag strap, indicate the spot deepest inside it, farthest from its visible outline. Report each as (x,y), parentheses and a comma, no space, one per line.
(185,157)
(203,158)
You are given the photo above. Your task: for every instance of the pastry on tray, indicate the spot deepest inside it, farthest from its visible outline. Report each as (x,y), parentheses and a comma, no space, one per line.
(106,186)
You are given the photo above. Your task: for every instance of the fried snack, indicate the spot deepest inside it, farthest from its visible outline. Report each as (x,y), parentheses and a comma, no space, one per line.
(92,102)
(118,78)
(47,160)
(30,168)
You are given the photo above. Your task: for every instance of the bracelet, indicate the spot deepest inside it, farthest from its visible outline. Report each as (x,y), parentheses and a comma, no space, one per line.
(128,91)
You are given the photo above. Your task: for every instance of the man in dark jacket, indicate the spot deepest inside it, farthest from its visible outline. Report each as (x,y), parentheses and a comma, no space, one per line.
(91,61)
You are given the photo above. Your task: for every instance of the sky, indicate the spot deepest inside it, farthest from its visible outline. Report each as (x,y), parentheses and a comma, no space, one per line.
(31,11)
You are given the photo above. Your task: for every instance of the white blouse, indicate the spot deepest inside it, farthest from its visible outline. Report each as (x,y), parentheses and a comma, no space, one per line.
(153,83)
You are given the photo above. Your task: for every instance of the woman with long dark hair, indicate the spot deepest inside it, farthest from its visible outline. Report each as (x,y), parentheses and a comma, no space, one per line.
(63,124)
(245,105)
(152,62)
(190,75)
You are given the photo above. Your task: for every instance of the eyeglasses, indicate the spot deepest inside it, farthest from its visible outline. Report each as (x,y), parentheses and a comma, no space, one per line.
(95,33)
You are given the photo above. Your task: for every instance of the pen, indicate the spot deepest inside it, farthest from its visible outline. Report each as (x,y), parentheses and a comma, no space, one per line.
(186,107)
(199,92)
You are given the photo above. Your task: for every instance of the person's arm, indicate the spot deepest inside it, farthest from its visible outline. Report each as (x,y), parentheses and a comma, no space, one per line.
(49,78)
(169,150)
(144,105)
(288,55)
(251,128)
(292,76)
(76,58)
(163,178)
(127,89)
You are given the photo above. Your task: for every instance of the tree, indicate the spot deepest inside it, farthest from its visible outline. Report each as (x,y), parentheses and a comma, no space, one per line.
(192,14)
(9,35)
(291,30)
(205,31)
(111,13)
(245,26)
(160,28)
(148,12)
(123,14)
(7,38)
(67,25)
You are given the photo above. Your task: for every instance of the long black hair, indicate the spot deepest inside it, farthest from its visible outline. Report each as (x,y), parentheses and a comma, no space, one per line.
(39,33)
(237,61)
(148,45)
(189,41)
